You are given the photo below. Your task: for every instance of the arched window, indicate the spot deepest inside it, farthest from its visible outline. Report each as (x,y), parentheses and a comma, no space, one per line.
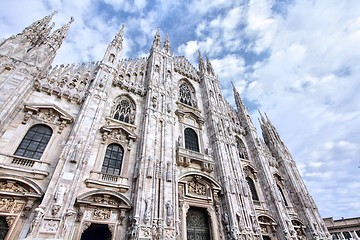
(186,95)
(282,195)
(34,143)
(113,159)
(251,184)
(124,110)
(191,140)
(241,148)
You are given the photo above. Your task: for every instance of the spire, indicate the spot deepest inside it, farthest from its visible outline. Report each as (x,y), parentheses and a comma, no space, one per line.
(37,32)
(209,67)
(118,39)
(238,101)
(167,46)
(157,41)
(57,37)
(201,62)
(262,118)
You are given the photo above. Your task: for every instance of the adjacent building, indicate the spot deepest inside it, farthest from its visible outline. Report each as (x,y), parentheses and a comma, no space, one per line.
(345,228)
(143,148)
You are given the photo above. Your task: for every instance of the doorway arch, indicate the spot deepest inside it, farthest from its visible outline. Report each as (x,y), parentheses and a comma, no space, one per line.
(97,231)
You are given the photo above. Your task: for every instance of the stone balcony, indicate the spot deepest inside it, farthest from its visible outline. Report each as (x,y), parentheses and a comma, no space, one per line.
(186,158)
(116,182)
(28,167)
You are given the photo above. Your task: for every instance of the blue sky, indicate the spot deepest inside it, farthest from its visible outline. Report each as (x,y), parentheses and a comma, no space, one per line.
(298,61)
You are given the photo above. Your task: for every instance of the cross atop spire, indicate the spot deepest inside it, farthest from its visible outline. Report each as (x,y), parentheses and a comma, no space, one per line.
(167,46)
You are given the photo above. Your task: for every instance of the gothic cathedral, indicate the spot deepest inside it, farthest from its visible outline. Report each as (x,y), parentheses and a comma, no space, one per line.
(143,148)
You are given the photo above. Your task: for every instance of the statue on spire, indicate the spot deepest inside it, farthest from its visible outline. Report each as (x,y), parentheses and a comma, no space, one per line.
(209,67)
(167,46)
(157,41)
(57,37)
(118,39)
(201,62)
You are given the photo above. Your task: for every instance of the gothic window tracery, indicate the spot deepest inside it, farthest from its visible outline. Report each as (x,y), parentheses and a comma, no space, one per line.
(124,110)
(191,140)
(252,187)
(35,141)
(113,159)
(186,95)
(242,149)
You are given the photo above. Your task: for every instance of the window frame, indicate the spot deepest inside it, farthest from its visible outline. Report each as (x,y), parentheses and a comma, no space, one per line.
(106,163)
(194,141)
(28,148)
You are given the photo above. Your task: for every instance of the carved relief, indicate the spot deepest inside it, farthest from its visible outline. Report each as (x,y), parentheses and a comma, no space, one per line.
(169,213)
(104,199)
(50,226)
(101,213)
(49,114)
(147,210)
(196,187)
(11,186)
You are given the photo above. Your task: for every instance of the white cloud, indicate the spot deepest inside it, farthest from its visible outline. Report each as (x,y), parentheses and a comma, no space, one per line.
(299,62)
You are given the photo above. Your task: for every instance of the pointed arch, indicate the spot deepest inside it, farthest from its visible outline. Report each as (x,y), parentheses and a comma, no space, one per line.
(187,93)
(124,109)
(254,195)
(243,154)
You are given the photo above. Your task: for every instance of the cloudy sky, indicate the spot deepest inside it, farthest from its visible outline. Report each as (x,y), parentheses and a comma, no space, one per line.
(296,60)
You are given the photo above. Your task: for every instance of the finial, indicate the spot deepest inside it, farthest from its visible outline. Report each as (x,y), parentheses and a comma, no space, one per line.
(157,41)
(201,62)
(118,39)
(167,46)
(262,117)
(209,67)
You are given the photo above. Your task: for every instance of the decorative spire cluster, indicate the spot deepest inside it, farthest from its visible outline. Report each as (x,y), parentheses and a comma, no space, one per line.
(201,62)
(157,43)
(167,46)
(57,37)
(118,39)
(205,68)
(157,40)
(38,31)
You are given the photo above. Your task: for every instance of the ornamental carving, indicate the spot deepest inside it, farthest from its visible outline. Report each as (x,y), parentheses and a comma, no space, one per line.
(48,113)
(196,188)
(118,133)
(101,213)
(104,199)
(10,186)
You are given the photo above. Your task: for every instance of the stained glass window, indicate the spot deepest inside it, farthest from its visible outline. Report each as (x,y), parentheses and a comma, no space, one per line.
(185,95)
(124,111)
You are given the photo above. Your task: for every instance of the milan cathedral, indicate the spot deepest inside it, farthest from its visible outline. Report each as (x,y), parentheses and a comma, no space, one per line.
(142,148)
